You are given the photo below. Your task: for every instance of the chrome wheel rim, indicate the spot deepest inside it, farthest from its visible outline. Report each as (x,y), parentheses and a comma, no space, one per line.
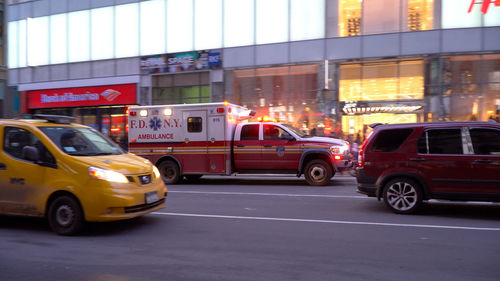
(402,196)
(64,215)
(317,173)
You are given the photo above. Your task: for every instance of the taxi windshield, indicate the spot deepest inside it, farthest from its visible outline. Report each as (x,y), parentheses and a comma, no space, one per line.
(78,141)
(297,131)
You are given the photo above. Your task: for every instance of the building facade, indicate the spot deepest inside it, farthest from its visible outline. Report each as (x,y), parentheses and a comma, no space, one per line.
(330,67)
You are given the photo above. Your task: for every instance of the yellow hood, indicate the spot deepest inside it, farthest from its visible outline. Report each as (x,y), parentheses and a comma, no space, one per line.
(127,163)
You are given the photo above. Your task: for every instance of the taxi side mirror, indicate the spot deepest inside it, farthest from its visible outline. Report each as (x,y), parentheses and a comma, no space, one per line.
(31,153)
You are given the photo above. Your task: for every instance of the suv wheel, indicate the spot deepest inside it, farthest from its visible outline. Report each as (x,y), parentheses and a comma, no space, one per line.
(65,216)
(169,172)
(402,195)
(318,172)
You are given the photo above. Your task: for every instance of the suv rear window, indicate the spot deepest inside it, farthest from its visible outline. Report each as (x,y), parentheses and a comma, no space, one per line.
(390,140)
(485,141)
(441,141)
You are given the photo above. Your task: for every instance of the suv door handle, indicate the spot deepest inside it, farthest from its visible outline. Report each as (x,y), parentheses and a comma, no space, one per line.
(418,159)
(484,161)
(268,145)
(2,166)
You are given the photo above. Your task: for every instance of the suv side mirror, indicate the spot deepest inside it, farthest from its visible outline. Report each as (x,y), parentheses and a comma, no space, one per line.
(31,153)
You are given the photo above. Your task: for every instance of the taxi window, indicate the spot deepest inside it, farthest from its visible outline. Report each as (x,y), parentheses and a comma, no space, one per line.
(15,139)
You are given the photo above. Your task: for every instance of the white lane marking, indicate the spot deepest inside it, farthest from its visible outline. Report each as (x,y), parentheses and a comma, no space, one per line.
(332,221)
(269,194)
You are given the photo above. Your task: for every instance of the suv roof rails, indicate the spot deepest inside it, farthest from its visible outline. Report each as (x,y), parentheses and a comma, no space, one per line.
(58,119)
(373,125)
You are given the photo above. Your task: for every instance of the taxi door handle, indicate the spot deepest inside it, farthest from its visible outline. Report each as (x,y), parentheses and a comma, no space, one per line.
(240,145)
(268,145)
(2,166)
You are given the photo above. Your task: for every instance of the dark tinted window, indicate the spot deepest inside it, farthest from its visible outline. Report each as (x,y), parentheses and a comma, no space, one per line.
(485,141)
(194,124)
(250,132)
(15,139)
(441,141)
(390,140)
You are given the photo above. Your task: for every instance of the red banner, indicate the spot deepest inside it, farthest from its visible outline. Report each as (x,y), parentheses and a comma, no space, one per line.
(83,96)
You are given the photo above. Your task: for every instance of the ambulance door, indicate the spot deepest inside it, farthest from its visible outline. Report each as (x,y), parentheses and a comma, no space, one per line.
(247,148)
(280,151)
(218,148)
(21,180)
(194,151)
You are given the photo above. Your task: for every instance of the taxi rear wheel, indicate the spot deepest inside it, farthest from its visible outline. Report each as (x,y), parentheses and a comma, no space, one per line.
(169,171)
(66,216)
(318,172)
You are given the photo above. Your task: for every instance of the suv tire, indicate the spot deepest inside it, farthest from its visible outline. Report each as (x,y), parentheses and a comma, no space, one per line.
(318,172)
(169,171)
(402,195)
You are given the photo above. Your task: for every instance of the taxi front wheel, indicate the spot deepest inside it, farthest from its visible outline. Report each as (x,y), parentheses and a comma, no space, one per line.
(66,216)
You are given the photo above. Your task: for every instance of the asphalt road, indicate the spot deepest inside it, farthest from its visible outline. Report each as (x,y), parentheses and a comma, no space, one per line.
(258,228)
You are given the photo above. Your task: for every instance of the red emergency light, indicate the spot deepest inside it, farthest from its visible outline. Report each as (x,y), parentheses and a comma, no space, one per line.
(133,113)
(116,129)
(220,110)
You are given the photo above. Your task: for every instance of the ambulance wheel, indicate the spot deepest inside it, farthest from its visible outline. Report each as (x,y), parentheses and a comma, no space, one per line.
(318,172)
(169,171)
(66,216)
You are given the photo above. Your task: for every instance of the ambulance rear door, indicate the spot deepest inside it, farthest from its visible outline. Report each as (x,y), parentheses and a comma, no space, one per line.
(195,150)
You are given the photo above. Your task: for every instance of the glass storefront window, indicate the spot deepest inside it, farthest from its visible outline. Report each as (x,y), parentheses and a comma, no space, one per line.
(58,39)
(179,95)
(380,16)
(349,17)
(239,23)
(357,125)
(78,36)
(38,41)
(289,94)
(127,30)
(152,33)
(419,15)
(471,87)
(272,18)
(102,33)
(382,81)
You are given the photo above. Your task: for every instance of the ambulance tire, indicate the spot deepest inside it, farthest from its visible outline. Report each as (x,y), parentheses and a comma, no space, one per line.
(318,173)
(170,172)
(66,216)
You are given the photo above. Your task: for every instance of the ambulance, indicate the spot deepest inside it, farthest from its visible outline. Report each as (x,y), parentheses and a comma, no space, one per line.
(192,140)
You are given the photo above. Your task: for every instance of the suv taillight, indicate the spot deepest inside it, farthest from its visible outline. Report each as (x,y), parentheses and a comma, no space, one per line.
(361,154)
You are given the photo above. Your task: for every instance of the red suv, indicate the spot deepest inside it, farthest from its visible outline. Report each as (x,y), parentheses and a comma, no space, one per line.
(408,163)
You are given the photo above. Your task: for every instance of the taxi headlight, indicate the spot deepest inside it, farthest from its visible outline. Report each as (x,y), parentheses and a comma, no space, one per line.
(107,175)
(339,149)
(156,172)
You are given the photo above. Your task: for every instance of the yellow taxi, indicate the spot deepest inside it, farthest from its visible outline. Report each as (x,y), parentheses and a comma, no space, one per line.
(71,174)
